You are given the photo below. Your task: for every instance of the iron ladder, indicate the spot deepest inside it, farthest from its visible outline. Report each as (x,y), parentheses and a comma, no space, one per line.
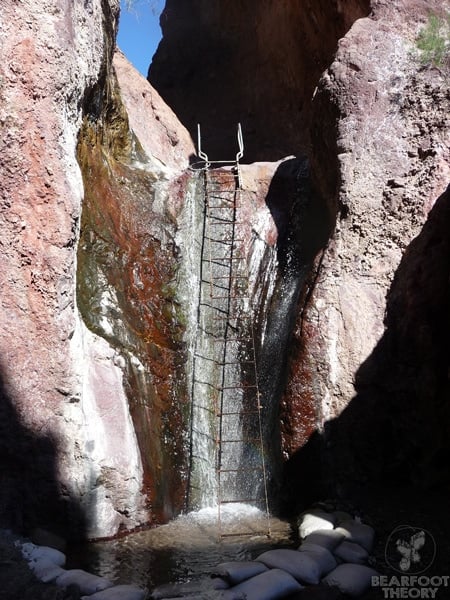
(240,454)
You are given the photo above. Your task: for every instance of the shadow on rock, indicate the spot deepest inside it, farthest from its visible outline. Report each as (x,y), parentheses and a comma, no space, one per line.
(396,430)
(31,496)
(304,223)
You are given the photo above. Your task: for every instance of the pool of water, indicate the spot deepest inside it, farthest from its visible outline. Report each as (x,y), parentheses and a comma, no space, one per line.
(185,549)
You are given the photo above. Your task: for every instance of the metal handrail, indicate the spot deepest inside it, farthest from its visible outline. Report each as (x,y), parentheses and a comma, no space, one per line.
(205,157)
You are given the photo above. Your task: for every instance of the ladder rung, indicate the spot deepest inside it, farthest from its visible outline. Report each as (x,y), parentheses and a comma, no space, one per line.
(224,258)
(230,296)
(246,533)
(246,441)
(239,412)
(237,362)
(220,191)
(218,241)
(238,387)
(241,469)
(228,277)
(237,339)
(220,207)
(223,222)
(232,318)
(239,500)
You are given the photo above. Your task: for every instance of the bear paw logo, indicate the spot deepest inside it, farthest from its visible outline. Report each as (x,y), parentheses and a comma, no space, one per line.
(410,550)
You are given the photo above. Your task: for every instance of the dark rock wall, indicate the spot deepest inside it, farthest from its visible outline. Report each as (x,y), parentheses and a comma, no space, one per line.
(222,62)
(380,155)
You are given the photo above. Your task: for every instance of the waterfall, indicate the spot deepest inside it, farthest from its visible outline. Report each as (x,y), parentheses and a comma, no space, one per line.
(267,296)
(221,369)
(190,240)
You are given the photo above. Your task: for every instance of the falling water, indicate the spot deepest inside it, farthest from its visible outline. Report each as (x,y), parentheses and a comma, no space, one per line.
(189,546)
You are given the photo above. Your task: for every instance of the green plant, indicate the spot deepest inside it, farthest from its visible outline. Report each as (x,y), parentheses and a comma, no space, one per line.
(433,41)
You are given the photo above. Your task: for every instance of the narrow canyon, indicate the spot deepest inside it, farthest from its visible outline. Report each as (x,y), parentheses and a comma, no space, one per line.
(344,223)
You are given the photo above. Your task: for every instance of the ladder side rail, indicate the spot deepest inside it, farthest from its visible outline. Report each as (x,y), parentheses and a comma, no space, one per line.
(196,354)
(260,428)
(224,357)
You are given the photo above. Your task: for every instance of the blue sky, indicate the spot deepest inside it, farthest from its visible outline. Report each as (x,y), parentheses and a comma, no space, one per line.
(139,31)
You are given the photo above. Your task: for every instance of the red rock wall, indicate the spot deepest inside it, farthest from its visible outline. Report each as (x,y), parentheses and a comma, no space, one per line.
(83,313)
(49,56)
(125,278)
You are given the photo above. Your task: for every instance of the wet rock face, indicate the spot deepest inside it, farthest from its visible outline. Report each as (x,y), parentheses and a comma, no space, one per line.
(381,154)
(224,62)
(126,289)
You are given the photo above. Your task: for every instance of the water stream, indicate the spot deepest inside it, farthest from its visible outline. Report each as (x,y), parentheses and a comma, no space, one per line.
(190,546)
(186,549)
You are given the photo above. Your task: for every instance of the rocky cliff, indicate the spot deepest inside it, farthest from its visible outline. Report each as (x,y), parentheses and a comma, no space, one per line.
(373,120)
(81,198)
(364,353)
(345,240)
(222,62)
(52,54)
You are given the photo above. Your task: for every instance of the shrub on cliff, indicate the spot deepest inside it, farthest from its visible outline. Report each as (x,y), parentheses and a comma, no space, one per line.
(433,42)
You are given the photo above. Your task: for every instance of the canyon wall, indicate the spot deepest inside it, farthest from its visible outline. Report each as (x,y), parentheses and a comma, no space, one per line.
(80,453)
(367,350)
(344,85)
(52,53)
(221,62)
(346,241)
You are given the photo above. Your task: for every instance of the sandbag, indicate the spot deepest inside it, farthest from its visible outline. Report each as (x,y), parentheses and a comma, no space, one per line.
(328,538)
(118,592)
(325,559)
(270,585)
(353,580)
(211,595)
(88,583)
(45,570)
(351,553)
(341,515)
(191,587)
(304,567)
(236,571)
(31,551)
(359,533)
(315,520)
(321,592)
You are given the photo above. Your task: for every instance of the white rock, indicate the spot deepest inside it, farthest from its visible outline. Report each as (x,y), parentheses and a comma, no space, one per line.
(353,580)
(359,533)
(31,551)
(204,586)
(328,538)
(340,515)
(236,571)
(324,558)
(118,592)
(315,520)
(88,583)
